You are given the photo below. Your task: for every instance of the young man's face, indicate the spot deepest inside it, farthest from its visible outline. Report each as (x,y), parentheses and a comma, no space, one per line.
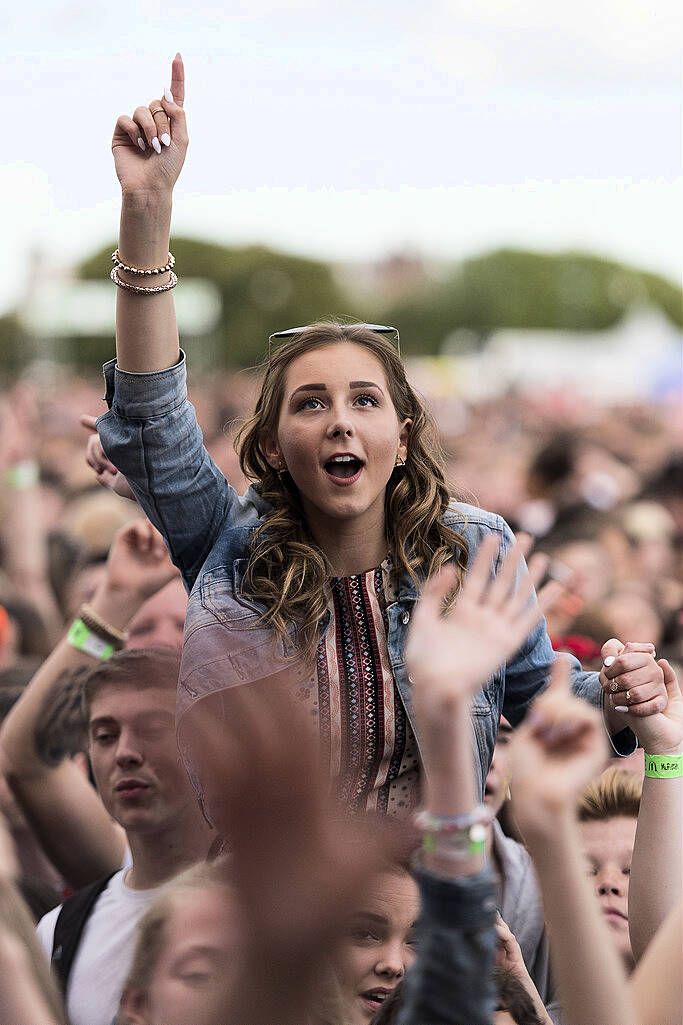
(134,754)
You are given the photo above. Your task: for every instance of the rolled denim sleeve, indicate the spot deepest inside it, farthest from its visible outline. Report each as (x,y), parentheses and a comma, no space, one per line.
(150,433)
(451,983)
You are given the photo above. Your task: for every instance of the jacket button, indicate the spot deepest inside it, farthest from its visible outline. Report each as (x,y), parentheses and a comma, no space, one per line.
(405,618)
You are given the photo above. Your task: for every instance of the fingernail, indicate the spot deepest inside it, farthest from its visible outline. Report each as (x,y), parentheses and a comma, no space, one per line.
(156,144)
(141,142)
(166,139)
(621,708)
(168,95)
(609,660)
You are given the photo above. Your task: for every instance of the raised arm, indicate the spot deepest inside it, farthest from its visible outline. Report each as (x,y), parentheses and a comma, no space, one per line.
(149,151)
(556,750)
(655,883)
(63,808)
(449,656)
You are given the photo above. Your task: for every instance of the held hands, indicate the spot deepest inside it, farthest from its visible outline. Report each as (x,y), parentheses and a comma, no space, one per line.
(638,691)
(449,656)
(149,148)
(558,748)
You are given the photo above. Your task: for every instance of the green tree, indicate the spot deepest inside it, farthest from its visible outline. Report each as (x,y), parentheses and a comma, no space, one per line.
(520,289)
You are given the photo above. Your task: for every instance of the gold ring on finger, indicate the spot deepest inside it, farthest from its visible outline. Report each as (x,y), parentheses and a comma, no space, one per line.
(159,110)
(614,686)
(628,695)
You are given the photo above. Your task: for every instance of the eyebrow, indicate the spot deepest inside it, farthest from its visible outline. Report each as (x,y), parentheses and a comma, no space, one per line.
(323,387)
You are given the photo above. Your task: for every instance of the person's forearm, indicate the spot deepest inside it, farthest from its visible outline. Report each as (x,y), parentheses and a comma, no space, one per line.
(655,883)
(579,940)
(146,328)
(18,732)
(450,787)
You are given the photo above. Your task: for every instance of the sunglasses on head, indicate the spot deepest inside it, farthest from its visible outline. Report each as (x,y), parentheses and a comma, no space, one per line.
(378,329)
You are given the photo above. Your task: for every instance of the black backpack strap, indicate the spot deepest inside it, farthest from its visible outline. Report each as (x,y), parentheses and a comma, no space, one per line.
(73,915)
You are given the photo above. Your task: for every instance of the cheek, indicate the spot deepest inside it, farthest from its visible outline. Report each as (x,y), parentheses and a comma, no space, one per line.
(355,964)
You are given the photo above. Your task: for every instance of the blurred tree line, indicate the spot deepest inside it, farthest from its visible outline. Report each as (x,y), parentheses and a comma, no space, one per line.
(263,291)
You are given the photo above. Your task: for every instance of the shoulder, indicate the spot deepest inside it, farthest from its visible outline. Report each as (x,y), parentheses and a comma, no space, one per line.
(475,523)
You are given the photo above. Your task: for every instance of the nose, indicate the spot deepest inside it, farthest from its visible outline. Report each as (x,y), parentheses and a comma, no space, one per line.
(390,961)
(127,750)
(611,882)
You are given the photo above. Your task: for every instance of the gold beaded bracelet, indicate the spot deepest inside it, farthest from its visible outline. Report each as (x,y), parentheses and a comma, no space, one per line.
(139,289)
(117,261)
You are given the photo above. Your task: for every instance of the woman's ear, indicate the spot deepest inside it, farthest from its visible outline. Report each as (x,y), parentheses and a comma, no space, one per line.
(403,439)
(133,1008)
(271,450)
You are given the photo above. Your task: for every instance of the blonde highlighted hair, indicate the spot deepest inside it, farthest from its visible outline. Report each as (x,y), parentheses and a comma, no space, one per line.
(614,793)
(287,570)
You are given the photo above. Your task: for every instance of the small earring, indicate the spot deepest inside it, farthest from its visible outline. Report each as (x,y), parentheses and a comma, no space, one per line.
(282,468)
(399,461)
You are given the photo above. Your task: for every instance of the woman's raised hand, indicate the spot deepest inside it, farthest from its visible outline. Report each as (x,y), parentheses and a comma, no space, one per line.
(149,148)
(450,655)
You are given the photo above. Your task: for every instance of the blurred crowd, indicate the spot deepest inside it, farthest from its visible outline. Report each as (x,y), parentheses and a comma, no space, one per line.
(597,488)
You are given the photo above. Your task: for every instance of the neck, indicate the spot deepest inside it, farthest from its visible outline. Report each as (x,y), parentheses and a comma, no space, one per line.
(352,546)
(159,856)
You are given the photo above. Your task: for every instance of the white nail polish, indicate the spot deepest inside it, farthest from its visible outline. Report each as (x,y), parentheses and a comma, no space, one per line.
(621,708)
(156,144)
(166,139)
(168,95)
(141,142)
(609,660)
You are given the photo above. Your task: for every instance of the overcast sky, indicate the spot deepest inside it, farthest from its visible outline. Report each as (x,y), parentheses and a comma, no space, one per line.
(350,130)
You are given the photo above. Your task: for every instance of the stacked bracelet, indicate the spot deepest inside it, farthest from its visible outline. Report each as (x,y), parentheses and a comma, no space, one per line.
(663,766)
(140,289)
(118,262)
(99,626)
(454,836)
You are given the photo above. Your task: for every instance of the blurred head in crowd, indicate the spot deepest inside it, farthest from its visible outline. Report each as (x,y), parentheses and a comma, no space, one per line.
(378,947)
(632,615)
(497,780)
(161,620)
(608,812)
(129,706)
(186,945)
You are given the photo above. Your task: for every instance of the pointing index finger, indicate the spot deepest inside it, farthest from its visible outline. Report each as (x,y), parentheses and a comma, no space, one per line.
(178,80)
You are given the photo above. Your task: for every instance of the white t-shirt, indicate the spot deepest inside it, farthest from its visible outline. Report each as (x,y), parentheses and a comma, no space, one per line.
(105,952)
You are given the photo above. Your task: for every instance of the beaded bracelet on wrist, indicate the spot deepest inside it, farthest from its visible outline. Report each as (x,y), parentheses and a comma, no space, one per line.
(140,289)
(118,262)
(99,626)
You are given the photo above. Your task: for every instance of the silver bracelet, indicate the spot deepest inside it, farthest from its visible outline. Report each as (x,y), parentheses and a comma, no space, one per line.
(117,261)
(139,289)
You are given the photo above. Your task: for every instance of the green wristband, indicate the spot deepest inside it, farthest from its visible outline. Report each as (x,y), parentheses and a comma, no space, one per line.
(663,766)
(84,640)
(25,474)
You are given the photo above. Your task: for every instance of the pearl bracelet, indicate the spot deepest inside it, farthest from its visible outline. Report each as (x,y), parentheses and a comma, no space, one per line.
(116,260)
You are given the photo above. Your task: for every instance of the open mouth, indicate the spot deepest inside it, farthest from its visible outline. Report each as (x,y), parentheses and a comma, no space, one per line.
(375,997)
(344,469)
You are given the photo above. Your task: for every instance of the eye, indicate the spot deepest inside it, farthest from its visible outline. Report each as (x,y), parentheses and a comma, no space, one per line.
(103,738)
(364,936)
(196,978)
(366,400)
(306,403)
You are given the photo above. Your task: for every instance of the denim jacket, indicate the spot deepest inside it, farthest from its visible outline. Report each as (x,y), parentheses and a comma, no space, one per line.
(150,433)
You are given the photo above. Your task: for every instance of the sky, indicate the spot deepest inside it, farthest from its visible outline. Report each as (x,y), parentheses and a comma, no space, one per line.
(350,131)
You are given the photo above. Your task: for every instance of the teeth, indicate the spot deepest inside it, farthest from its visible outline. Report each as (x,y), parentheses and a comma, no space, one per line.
(342,459)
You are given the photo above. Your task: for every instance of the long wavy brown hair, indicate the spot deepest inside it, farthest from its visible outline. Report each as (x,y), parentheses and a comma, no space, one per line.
(287,570)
